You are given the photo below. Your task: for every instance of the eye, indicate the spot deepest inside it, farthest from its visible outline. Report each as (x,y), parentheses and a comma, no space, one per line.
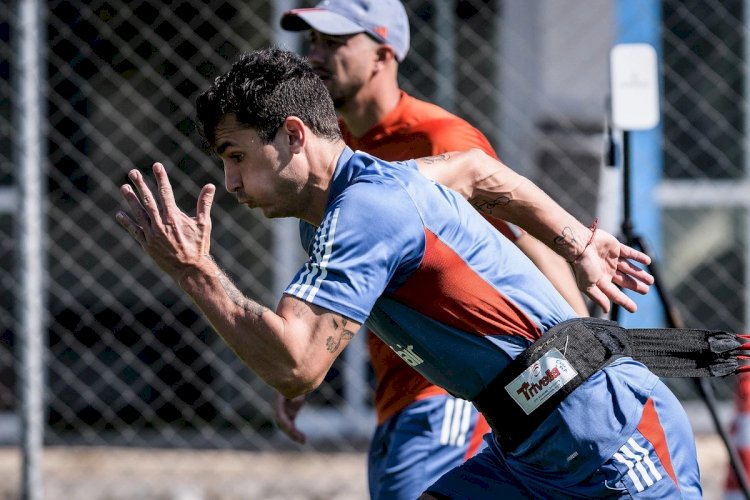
(236,157)
(326,41)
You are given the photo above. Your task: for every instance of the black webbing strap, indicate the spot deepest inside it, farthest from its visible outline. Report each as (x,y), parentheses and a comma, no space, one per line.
(532,386)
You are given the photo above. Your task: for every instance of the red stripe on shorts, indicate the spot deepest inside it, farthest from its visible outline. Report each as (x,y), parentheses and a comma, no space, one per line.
(650,427)
(477,436)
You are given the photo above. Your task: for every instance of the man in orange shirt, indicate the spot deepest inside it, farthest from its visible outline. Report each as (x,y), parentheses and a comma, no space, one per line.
(356,47)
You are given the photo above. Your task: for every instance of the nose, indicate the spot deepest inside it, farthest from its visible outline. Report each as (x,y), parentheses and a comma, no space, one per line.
(316,53)
(232,178)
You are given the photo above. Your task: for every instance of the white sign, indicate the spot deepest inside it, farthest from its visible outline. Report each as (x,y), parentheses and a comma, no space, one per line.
(634,86)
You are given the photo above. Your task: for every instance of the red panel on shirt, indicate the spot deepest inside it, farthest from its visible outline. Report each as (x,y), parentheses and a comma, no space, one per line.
(444,288)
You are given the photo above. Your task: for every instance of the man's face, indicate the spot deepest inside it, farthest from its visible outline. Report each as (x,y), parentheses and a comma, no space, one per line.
(344,63)
(259,174)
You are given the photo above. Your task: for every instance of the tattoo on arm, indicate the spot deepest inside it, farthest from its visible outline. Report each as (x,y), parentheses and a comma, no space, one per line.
(436,158)
(333,344)
(566,237)
(238,298)
(486,205)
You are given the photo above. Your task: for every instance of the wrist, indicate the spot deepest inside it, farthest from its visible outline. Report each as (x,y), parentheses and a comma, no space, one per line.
(579,255)
(191,275)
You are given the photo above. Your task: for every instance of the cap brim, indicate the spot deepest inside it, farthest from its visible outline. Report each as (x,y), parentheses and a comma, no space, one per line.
(324,21)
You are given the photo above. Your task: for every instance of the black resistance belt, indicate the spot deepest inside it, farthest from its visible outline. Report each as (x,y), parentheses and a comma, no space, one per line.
(535,383)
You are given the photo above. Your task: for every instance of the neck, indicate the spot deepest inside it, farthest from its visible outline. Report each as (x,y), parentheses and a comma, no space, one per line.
(370,106)
(318,186)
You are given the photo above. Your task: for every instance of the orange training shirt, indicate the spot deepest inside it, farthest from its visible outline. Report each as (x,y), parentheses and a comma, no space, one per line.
(413,129)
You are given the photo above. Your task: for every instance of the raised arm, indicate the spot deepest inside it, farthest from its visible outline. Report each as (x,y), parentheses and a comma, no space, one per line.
(291,349)
(600,262)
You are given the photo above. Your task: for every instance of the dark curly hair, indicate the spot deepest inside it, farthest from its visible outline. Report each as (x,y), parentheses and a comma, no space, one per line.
(262,89)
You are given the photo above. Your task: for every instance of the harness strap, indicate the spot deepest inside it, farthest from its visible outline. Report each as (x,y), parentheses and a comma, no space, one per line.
(520,398)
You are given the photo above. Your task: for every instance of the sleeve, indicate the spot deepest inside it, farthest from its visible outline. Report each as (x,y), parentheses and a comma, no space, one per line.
(370,235)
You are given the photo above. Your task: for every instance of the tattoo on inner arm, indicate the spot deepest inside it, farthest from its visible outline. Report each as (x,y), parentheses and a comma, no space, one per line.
(486,205)
(434,159)
(566,237)
(333,344)
(238,298)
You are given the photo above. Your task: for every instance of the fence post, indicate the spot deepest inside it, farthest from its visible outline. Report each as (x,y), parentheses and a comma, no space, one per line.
(30,154)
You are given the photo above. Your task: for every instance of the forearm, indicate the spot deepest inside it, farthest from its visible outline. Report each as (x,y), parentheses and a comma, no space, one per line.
(497,191)
(509,196)
(291,349)
(255,333)
(556,270)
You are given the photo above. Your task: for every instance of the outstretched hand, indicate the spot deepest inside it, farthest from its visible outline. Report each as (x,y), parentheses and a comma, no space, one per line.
(607,264)
(173,239)
(286,414)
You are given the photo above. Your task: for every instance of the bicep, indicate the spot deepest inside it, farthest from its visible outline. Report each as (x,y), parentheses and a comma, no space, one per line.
(319,334)
(476,175)
(451,169)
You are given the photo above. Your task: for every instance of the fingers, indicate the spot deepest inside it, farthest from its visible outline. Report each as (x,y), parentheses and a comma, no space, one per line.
(625,281)
(129,224)
(164,187)
(205,201)
(601,300)
(147,201)
(137,212)
(293,433)
(630,253)
(618,297)
(286,414)
(628,268)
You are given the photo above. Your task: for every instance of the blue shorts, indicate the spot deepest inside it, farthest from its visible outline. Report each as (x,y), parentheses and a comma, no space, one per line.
(657,460)
(412,449)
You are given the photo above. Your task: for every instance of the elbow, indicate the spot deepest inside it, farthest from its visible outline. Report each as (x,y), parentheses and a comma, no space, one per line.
(298,383)
(478,166)
(480,163)
(476,156)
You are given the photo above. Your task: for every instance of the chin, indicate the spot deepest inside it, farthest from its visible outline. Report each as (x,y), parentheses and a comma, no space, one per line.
(271,213)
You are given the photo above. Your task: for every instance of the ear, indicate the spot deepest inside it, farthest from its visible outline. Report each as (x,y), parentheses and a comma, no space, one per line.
(295,134)
(385,53)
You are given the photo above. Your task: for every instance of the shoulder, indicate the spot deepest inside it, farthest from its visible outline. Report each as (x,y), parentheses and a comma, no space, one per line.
(380,182)
(379,188)
(444,130)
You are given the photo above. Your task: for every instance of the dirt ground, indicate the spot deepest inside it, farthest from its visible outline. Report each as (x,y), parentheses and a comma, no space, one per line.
(129,474)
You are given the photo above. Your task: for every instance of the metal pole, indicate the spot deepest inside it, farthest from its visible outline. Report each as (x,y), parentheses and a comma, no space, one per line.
(746,85)
(445,55)
(30,154)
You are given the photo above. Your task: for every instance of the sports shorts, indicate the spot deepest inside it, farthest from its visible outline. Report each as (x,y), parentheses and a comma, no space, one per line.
(658,460)
(412,449)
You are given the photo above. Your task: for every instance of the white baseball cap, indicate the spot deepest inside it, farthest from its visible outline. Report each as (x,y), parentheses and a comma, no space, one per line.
(384,20)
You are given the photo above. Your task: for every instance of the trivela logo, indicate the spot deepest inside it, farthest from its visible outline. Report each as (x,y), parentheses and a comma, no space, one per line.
(537,383)
(531,389)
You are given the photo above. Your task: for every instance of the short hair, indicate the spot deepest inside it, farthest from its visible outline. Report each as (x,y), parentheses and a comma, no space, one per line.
(262,89)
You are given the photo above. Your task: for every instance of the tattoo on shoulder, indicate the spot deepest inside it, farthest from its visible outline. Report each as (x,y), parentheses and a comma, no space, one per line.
(436,158)
(238,298)
(333,343)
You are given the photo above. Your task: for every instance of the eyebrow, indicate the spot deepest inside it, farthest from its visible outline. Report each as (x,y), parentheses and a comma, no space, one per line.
(220,148)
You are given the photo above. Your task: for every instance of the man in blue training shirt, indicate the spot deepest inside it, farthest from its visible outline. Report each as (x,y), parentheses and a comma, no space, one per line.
(414,261)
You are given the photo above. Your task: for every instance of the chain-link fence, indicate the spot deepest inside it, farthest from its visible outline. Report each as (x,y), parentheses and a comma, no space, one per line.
(129,360)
